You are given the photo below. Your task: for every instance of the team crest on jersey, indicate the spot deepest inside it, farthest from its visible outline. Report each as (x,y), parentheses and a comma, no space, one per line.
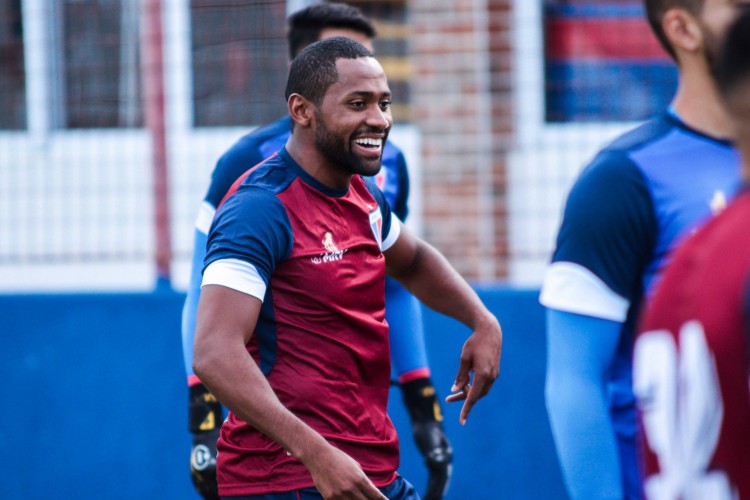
(332,251)
(376,224)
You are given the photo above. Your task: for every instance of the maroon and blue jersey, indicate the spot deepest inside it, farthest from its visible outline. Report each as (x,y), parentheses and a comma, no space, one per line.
(314,256)
(408,349)
(691,366)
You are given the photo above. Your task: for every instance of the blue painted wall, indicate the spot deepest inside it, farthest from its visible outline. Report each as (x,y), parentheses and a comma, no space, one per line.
(95,401)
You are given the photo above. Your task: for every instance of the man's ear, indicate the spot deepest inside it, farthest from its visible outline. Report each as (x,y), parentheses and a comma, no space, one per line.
(301,110)
(682,29)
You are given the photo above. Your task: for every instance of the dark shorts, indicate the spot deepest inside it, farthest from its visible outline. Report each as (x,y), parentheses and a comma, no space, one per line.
(400,489)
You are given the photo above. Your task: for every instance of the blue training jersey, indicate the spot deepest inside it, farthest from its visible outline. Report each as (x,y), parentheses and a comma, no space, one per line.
(629,208)
(639,198)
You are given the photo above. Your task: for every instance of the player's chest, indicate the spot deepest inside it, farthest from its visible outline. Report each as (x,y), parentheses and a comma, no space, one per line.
(335,241)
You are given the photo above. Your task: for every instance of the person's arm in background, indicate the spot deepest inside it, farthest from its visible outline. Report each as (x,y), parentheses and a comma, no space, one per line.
(604,245)
(408,350)
(580,350)
(205,413)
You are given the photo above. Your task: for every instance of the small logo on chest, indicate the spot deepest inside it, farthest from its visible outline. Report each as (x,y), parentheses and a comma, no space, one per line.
(332,252)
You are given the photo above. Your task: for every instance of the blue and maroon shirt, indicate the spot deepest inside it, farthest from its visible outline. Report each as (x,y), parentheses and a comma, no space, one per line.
(691,366)
(314,256)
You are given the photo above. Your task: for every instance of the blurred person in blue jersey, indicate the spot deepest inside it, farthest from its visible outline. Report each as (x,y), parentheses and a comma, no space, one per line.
(316,22)
(630,207)
(291,332)
(690,362)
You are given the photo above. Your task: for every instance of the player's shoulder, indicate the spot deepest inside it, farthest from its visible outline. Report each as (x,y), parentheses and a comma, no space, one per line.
(248,151)
(252,143)
(648,134)
(615,166)
(273,175)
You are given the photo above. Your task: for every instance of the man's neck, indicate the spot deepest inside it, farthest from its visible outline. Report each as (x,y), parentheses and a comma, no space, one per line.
(698,104)
(314,163)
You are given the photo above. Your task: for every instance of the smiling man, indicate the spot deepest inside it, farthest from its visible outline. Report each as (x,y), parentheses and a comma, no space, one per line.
(410,368)
(295,273)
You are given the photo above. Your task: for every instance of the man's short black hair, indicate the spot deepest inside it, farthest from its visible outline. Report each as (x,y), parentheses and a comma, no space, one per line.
(306,25)
(314,69)
(734,62)
(655,10)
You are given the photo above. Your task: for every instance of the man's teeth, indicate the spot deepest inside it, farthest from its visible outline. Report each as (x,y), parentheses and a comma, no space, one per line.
(366,141)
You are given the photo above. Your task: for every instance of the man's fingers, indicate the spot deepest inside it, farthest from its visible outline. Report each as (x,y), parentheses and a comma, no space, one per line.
(455,397)
(462,377)
(373,493)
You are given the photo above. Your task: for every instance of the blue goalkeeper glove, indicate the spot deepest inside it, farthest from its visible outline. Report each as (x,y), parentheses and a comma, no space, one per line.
(205,418)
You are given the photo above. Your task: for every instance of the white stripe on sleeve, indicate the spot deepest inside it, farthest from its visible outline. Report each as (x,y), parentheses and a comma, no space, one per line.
(393,234)
(572,288)
(237,275)
(205,217)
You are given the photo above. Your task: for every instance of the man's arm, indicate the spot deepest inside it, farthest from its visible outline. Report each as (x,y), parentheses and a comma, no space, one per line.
(580,350)
(429,276)
(205,414)
(226,321)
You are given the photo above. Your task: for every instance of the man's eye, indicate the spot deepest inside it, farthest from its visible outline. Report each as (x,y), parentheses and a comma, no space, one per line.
(384,105)
(358,104)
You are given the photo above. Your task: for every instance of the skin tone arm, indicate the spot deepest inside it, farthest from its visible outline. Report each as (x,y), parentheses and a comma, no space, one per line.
(429,276)
(226,320)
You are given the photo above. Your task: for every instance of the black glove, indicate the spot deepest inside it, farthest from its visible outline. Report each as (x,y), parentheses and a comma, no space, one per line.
(424,411)
(438,455)
(205,417)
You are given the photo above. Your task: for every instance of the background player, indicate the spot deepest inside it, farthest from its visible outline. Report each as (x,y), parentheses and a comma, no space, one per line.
(623,216)
(403,312)
(295,271)
(690,364)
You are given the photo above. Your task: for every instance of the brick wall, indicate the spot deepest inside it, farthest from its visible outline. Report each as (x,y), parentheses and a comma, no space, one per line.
(461,103)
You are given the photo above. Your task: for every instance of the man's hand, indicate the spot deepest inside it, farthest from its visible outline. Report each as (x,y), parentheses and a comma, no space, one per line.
(205,417)
(438,456)
(337,476)
(480,355)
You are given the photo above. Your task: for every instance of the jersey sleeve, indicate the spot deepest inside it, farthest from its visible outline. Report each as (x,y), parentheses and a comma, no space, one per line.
(605,241)
(251,230)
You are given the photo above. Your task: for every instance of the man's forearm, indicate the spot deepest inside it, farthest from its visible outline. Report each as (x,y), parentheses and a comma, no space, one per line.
(240,385)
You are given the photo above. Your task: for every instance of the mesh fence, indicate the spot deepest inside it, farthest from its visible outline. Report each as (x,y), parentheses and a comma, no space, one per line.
(77,185)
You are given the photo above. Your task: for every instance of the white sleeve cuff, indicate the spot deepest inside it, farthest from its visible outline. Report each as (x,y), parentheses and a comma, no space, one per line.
(393,234)
(572,288)
(237,275)
(205,217)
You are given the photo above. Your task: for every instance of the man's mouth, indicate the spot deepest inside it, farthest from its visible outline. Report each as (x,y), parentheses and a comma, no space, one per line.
(369,146)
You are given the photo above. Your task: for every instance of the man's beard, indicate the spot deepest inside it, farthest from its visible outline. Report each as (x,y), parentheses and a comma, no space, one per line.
(711,48)
(338,152)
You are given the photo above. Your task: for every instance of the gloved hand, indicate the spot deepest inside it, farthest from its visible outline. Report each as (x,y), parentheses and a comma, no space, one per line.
(438,456)
(424,412)
(205,418)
